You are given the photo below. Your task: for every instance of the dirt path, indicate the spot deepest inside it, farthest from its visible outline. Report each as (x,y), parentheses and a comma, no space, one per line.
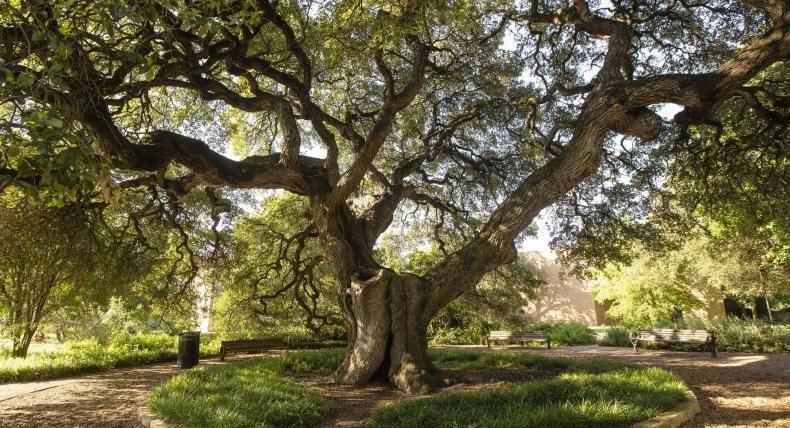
(106,399)
(744,390)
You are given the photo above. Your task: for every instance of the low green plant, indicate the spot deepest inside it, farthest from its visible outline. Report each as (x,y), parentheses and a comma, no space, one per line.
(122,350)
(565,332)
(737,335)
(616,336)
(732,335)
(254,393)
(250,394)
(586,394)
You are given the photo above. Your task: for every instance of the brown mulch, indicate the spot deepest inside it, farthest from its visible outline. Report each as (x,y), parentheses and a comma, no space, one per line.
(743,390)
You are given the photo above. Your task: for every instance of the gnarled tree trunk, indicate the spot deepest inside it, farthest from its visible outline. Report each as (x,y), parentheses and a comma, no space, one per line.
(386,331)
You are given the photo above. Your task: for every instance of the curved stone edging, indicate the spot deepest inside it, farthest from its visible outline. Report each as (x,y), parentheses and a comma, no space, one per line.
(150,419)
(679,415)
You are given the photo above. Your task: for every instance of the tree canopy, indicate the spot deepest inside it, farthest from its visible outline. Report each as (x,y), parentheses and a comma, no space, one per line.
(472,116)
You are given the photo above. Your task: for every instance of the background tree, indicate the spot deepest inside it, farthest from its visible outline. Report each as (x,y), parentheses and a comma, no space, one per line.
(42,252)
(275,275)
(408,104)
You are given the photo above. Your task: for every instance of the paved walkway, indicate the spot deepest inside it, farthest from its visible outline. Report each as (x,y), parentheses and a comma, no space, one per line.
(744,390)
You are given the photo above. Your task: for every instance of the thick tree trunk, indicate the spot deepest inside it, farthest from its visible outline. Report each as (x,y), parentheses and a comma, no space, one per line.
(387,333)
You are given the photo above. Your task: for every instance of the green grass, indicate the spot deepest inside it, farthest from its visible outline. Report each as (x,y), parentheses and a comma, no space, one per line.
(585,394)
(123,350)
(260,393)
(254,393)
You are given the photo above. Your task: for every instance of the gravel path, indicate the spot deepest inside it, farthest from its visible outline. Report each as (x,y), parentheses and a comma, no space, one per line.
(744,390)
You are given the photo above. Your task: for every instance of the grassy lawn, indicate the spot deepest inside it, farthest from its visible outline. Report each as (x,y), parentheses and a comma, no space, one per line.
(261,393)
(584,394)
(254,393)
(126,350)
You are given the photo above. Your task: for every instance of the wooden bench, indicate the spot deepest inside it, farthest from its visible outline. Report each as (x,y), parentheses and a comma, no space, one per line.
(668,335)
(253,345)
(518,336)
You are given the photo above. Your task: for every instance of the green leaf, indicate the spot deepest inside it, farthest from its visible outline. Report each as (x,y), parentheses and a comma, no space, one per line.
(25,79)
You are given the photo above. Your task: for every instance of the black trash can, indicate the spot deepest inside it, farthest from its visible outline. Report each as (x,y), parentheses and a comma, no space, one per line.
(188,349)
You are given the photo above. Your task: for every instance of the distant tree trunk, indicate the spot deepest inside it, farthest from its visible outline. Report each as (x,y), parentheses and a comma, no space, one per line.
(761,309)
(21,343)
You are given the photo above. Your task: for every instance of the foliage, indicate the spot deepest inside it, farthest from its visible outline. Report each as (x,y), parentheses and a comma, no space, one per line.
(654,288)
(253,393)
(586,394)
(562,332)
(463,119)
(490,305)
(732,335)
(736,335)
(277,279)
(565,332)
(90,355)
(45,254)
(616,336)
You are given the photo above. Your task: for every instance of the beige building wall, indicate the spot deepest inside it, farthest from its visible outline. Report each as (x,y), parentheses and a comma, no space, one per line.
(714,305)
(563,297)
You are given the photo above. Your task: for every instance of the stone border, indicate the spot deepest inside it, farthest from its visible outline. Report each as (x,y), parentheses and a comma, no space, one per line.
(150,419)
(679,415)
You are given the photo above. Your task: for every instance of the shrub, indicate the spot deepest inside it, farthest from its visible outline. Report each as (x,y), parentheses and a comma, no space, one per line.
(565,332)
(737,335)
(732,335)
(469,335)
(616,336)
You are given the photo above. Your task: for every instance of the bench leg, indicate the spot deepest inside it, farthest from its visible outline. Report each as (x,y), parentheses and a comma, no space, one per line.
(548,343)
(222,354)
(635,342)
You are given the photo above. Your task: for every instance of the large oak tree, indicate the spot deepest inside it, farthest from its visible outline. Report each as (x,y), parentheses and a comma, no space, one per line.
(481,114)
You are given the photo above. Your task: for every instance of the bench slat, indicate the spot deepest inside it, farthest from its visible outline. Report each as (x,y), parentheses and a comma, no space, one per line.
(519,336)
(669,335)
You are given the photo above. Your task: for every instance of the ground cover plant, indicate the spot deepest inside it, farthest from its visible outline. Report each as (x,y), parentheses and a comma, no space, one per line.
(123,350)
(263,392)
(732,335)
(254,393)
(585,393)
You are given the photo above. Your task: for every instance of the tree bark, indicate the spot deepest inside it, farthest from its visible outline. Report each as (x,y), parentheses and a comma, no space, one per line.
(387,333)
(21,344)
